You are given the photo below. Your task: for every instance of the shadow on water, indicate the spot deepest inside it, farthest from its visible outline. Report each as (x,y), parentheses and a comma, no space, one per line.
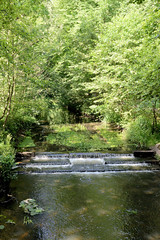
(86,206)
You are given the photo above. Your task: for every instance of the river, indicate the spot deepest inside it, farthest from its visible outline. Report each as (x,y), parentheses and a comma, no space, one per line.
(87,205)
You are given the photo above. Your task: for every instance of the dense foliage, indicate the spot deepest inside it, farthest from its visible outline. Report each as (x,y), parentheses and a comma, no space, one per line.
(7,162)
(72,61)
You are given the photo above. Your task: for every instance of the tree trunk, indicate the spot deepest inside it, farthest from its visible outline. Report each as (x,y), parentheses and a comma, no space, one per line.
(154,124)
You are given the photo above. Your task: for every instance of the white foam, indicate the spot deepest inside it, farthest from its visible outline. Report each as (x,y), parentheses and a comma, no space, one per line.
(45,157)
(94,173)
(127,164)
(87,161)
(120,157)
(45,166)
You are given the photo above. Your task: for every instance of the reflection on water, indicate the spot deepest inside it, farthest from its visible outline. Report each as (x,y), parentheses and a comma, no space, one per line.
(106,206)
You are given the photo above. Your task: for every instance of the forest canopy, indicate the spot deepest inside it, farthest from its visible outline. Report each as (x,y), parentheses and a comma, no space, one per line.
(74,61)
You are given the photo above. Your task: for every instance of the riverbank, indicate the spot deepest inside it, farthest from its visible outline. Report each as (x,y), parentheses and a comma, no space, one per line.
(87,137)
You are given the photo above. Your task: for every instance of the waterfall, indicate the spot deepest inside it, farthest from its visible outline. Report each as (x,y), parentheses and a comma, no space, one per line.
(49,162)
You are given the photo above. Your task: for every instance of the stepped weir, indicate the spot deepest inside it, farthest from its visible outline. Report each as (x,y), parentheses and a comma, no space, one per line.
(87,196)
(49,162)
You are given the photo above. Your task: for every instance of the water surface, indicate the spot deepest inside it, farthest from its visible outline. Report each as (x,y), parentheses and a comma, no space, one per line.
(105,206)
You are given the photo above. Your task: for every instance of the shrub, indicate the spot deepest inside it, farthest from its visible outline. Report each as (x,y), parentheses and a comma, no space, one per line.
(58,116)
(139,132)
(112,117)
(7,162)
(18,124)
(5,145)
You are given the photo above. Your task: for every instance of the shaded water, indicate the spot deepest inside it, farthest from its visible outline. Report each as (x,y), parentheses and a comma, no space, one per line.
(87,206)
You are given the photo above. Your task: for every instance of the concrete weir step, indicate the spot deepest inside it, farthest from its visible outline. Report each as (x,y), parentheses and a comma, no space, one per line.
(145,153)
(52,155)
(48,162)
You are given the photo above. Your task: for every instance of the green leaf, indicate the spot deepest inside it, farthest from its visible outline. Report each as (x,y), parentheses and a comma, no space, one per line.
(10,221)
(30,207)
(2,227)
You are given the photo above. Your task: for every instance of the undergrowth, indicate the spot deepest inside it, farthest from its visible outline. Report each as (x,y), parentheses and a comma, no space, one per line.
(84,137)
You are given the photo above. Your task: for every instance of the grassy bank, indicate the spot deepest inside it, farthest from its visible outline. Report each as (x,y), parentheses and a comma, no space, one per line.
(87,137)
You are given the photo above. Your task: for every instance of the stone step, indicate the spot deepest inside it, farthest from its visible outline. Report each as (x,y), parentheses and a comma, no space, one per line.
(145,154)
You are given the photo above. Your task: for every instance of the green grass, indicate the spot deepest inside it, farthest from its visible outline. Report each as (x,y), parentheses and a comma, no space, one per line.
(27,142)
(113,138)
(85,137)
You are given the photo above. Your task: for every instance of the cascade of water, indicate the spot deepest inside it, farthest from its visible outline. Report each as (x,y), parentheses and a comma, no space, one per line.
(48,162)
(51,155)
(86,161)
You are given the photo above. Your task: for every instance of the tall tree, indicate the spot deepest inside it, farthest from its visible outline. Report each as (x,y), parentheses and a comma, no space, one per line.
(75,28)
(21,30)
(126,63)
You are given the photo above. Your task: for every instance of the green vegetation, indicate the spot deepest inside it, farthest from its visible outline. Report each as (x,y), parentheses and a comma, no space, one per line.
(2,227)
(67,61)
(6,161)
(85,137)
(30,208)
(5,221)
(139,133)
(27,142)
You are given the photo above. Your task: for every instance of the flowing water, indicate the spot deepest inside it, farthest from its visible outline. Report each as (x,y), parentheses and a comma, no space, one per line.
(86,197)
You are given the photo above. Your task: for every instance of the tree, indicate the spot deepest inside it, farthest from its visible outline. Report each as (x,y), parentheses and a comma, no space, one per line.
(126,63)
(22,30)
(74,33)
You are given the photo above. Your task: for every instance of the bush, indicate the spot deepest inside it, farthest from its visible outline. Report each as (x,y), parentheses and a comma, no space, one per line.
(112,116)
(139,132)
(57,116)
(7,162)
(5,145)
(18,124)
